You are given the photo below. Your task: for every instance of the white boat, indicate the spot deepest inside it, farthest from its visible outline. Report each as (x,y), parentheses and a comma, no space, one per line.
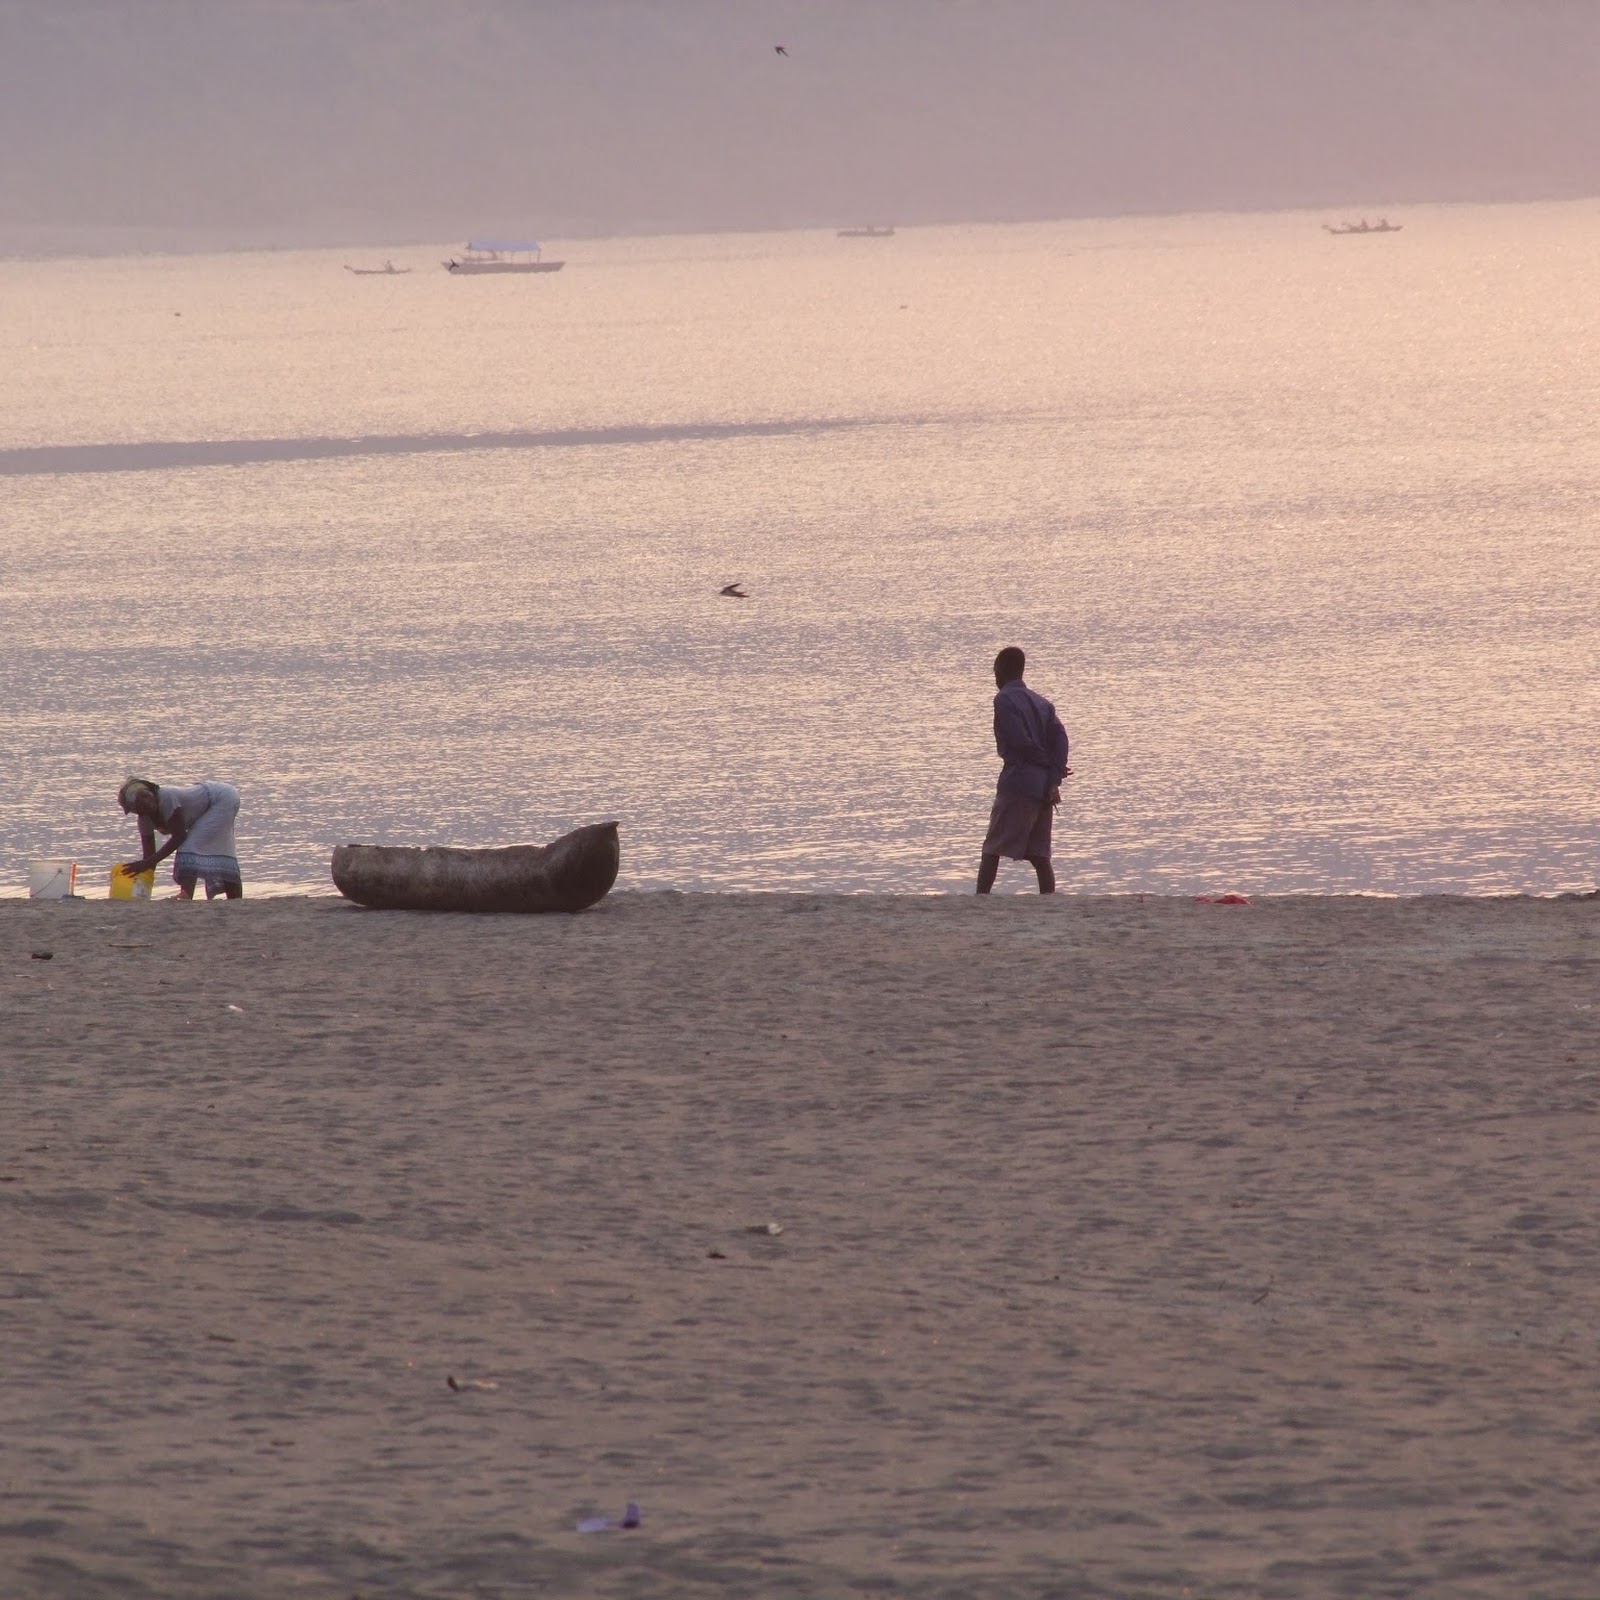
(871,231)
(498,255)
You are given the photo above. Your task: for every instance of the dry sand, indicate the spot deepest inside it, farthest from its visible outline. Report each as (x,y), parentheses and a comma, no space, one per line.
(1129,1248)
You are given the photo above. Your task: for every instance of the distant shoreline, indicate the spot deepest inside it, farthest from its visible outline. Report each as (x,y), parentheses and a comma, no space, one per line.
(22,242)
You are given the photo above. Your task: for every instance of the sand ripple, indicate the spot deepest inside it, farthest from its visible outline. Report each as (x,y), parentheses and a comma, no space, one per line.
(1129,1249)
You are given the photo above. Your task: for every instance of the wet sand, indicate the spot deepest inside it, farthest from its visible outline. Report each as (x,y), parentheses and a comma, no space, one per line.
(1128,1249)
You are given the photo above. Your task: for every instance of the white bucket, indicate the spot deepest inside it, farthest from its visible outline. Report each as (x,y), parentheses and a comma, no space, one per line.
(52,880)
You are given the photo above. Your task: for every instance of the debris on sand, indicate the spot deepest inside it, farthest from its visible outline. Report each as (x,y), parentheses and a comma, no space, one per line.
(632,1517)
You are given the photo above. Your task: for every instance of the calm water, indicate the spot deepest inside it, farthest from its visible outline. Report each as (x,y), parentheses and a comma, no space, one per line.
(1298,532)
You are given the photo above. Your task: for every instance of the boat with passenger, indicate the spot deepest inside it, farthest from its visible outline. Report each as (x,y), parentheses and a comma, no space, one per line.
(502,255)
(1382,225)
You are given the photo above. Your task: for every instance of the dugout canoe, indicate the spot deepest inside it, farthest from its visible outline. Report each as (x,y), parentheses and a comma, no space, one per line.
(568,874)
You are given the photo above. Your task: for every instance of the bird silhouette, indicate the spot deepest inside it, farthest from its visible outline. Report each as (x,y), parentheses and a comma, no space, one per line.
(780,50)
(734,591)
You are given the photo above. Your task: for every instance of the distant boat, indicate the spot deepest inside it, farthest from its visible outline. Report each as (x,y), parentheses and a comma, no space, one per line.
(1382,225)
(387,270)
(494,255)
(869,232)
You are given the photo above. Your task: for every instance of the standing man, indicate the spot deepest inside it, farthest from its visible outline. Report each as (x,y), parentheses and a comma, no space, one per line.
(1033,747)
(198,822)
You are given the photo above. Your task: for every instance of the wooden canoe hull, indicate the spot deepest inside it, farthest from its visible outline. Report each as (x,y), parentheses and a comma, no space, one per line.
(569,874)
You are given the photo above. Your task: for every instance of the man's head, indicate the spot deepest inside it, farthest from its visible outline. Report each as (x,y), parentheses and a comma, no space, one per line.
(138,797)
(1008,666)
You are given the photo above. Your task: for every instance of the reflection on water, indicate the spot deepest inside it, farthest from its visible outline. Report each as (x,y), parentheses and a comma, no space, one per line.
(159,454)
(1297,537)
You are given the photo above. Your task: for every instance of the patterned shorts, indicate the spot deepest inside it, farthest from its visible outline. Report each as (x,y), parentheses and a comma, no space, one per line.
(1019,827)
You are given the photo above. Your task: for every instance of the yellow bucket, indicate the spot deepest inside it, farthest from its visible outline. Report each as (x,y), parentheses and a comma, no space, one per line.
(127,885)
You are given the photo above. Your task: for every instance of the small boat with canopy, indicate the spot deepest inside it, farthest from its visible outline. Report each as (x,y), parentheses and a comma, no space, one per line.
(1382,225)
(502,255)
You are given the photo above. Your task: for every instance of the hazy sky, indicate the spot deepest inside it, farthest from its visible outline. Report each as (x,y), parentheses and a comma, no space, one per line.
(345,120)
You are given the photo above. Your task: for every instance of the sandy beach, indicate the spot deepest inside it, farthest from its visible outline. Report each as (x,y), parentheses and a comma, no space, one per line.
(1128,1248)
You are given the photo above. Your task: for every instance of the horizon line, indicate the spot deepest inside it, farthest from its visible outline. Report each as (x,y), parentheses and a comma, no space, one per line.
(1137,214)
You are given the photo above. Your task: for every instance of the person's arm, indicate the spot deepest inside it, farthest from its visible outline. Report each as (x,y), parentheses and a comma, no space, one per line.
(1059,748)
(150,856)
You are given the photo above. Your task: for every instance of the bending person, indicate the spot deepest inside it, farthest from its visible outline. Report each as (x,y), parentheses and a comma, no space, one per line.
(198,822)
(1032,744)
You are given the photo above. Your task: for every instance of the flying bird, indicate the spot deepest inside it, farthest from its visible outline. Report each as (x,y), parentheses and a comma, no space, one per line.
(780,49)
(734,591)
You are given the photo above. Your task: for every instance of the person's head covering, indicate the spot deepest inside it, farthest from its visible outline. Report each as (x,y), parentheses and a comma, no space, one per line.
(128,794)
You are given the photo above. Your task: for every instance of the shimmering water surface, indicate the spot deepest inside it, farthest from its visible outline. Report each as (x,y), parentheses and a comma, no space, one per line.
(1298,531)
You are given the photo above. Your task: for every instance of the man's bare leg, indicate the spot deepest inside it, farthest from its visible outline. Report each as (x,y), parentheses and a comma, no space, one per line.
(1047,877)
(988,866)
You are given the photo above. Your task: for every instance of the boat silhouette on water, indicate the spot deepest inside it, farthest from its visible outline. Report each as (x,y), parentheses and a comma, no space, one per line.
(499,255)
(387,270)
(1382,225)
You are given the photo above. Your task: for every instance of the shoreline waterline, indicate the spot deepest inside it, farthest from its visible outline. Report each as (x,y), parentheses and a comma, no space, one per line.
(292,896)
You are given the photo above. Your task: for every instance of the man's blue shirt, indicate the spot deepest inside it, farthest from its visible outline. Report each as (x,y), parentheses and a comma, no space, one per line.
(1031,741)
